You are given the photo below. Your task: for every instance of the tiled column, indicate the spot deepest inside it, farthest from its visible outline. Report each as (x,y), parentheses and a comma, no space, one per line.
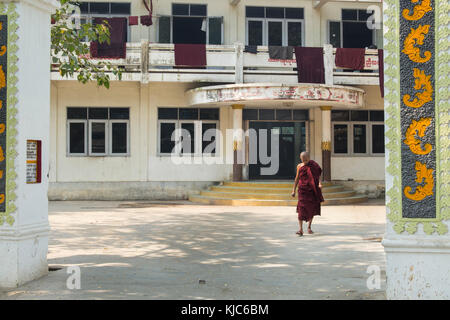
(238,147)
(326,142)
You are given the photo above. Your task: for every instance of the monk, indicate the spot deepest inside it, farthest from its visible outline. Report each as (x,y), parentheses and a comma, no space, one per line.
(309,191)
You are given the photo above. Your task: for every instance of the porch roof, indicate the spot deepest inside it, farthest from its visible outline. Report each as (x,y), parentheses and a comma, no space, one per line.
(302,95)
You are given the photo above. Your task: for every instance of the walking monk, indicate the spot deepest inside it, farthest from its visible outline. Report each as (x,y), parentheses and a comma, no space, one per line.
(309,191)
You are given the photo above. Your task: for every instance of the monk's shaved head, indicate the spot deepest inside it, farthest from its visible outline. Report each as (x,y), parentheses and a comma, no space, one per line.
(304,156)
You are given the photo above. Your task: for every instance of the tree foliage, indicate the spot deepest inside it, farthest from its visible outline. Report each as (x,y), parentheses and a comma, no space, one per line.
(70,48)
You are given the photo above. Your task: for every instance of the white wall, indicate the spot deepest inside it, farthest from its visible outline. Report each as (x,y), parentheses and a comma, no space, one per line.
(143,163)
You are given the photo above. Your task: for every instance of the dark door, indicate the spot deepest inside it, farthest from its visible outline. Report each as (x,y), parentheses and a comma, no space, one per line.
(291,138)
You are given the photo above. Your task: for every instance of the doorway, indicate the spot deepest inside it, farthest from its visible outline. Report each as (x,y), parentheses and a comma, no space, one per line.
(291,141)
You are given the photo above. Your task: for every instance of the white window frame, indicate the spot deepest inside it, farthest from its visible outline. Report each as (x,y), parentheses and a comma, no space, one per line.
(352,150)
(350,139)
(302,22)
(372,123)
(265,27)
(95,154)
(68,153)
(198,138)
(349,128)
(216,122)
(283,30)
(110,125)
(196,134)
(175,122)
(262,20)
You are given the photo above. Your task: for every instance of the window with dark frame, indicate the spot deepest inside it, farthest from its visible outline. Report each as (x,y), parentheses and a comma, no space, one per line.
(191,121)
(91,10)
(97,131)
(351,31)
(275,114)
(190,24)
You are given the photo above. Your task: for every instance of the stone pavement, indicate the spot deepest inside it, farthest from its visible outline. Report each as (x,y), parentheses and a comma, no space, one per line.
(177,250)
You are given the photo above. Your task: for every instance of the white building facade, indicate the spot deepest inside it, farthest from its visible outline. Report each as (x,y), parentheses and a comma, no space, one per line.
(115,143)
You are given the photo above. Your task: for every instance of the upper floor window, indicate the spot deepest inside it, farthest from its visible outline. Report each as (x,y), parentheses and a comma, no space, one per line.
(92,10)
(358,132)
(98,131)
(190,24)
(352,30)
(274,26)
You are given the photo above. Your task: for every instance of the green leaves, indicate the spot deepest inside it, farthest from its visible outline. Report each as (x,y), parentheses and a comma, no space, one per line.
(70,49)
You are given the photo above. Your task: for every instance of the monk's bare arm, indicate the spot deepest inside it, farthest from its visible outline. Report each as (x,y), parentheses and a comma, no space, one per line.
(297,177)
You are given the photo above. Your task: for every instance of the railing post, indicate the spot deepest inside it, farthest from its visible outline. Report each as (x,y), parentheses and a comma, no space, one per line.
(328,61)
(239,69)
(144,60)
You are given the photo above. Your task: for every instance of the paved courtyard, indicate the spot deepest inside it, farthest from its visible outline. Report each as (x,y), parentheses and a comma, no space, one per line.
(176,250)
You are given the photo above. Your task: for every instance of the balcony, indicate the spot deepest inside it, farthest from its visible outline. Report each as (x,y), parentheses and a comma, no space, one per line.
(146,62)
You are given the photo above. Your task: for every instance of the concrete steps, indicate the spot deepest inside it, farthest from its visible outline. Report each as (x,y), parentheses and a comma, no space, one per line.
(269,193)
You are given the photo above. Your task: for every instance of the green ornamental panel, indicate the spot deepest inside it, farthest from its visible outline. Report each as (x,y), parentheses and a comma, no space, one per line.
(8,111)
(418,114)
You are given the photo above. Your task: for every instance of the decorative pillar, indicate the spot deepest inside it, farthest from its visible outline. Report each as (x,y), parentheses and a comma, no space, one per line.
(417,112)
(237,142)
(24,139)
(326,142)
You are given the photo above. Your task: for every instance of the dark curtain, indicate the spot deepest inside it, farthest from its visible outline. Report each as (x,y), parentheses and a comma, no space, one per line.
(117,47)
(310,67)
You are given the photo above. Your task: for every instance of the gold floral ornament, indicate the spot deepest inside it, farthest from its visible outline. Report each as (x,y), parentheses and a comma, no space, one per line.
(419,10)
(416,37)
(2,78)
(422,173)
(422,82)
(419,128)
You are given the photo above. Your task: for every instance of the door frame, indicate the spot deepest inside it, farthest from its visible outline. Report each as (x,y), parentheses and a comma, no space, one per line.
(246,126)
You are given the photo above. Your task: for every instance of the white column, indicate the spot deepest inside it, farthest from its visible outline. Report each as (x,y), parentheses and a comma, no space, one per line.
(328,61)
(238,155)
(24,226)
(326,143)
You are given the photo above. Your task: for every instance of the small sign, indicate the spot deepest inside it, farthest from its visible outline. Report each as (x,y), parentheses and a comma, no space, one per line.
(33,161)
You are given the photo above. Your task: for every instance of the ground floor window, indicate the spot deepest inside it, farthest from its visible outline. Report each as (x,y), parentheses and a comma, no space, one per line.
(358,132)
(188,131)
(98,131)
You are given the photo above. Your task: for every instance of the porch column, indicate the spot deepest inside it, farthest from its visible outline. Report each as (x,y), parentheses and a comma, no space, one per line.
(24,139)
(326,142)
(237,142)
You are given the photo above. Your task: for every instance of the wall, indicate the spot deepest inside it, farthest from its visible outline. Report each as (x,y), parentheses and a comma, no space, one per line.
(361,168)
(143,163)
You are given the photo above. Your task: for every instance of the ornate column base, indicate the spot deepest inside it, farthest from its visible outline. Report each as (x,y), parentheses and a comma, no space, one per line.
(326,160)
(417,268)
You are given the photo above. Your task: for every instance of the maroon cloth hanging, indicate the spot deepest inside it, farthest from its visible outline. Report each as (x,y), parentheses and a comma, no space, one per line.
(146,20)
(133,20)
(381,70)
(350,58)
(310,67)
(190,55)
(117,49)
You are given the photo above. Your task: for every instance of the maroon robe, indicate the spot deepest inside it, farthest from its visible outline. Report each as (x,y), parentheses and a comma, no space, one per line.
(309,193)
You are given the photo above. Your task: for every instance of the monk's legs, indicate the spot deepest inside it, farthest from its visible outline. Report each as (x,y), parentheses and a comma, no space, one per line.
(300,223)
(309,226)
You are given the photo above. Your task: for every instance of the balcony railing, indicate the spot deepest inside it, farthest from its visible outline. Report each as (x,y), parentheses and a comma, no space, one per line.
(230,64)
